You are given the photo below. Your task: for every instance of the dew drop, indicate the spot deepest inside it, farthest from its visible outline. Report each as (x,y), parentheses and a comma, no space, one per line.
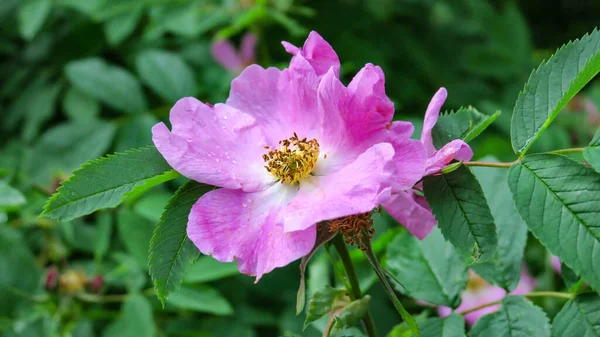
(224,117)
(235,162)
(244,205)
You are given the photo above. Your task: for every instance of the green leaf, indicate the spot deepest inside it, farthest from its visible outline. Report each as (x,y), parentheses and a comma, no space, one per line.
(39,109)
(151,205)
(135,319)
(171,251)
(551,86)
(466,124)
(559,199)
(105,182)
(103,235)
(167,74)
(207,269)
(32,15)
(323,302)
(579,317)
(592,152)
(120,27)
(460,207)
(80,107)
(352,313)
(451,326)
(10,197)
(430,269)
(135,233)
(516,318)
(504,269)
(201,299)
(112,85)
(570,278)
(135,132)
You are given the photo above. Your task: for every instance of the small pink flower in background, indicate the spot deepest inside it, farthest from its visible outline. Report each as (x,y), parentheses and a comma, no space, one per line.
(231,59)
(555,261)
(289,148)
(410,208)
(479,292)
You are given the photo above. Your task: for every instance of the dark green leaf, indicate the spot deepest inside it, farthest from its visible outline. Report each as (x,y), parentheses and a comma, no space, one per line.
(505,267)
(135,132)
(516,318)
(171,251)
(323,302)
(167,74)
(579,317)
(460,207)
(135,233)
(120,27)
(569,277)
(202,299)
(206,269)
(135,320)
(430,269)
(80,107)
(466,124)
(551,86)
(592,152)
(451,326)
(106,181)
(112,85)
(559,199)
(352,313)
(32,15)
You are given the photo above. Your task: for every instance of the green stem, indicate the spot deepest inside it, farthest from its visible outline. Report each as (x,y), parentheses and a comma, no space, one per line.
(572,150)
(533,294)
(355,293)
(489,164)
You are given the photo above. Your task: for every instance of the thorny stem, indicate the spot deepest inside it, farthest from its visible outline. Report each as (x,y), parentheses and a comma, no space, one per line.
(355,293)
(533,294)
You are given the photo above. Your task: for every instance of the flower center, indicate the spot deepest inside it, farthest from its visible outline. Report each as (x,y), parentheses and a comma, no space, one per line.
(293,160)
(475,282)
(354,228)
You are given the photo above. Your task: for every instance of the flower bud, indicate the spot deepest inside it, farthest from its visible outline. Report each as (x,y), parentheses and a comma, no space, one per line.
(51,278)
(72,281)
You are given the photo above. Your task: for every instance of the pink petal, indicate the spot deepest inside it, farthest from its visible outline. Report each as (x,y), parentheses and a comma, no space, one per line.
(409,157)
(354,189)
(526,283)
(412,212)
(472,299)
(456,149)
(204,145)
(225,54)
(234,225)
(431,117)
(318,52)
(555,261)
(248,48)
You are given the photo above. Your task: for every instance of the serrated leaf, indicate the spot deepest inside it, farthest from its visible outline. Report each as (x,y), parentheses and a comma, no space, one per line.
(592,152)
(352,313)
(517,317)
(10,197)
(551,86)
(32,15)
(200,299)
(579,317)
(451,326)
(171,251)
(559,199)
(504,269)
(135,233)
(112,85)
(322,302)
(430,269)
(466,124)
(462,212)
(105,182)
(167,74)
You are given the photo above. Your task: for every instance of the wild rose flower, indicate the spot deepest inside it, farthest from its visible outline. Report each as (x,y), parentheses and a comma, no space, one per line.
(289,148)
(555,262)
(231,59)
(408,207)
(479,292)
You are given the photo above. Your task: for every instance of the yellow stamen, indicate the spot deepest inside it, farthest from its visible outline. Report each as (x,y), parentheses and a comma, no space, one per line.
(475,282)
(293,160)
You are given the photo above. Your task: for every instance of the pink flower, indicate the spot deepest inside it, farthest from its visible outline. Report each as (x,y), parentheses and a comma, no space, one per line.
(235,61)
(289,148)
(479,292)
(408,207)
(555,261)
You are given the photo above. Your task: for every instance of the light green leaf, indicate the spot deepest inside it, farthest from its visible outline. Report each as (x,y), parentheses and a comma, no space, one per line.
(516,318)
(559,199)
(171,251)
(167,74)
(80,107)
(105,182)
(120,27)
(466,124)
(103,234)
(551,86)
(460,207)
(135,319)
(200,299)
(151,205)
(10,197)
(323,302)
(579,317)
(504,269)
(112,85)
(40,107)
(430,269)
(32,15)
(352,313)
(592,152)
(135,132)
(135,233)
(206,269)
(451,326)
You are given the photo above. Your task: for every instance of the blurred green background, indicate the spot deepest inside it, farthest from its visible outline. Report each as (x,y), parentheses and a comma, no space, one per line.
(82,78)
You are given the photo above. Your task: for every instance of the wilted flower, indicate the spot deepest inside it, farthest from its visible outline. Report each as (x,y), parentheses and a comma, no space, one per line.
(235,61)
(409,207)
(480,292)
(290,148)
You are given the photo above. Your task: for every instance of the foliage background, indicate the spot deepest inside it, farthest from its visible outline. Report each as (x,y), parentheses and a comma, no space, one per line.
(82,78)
